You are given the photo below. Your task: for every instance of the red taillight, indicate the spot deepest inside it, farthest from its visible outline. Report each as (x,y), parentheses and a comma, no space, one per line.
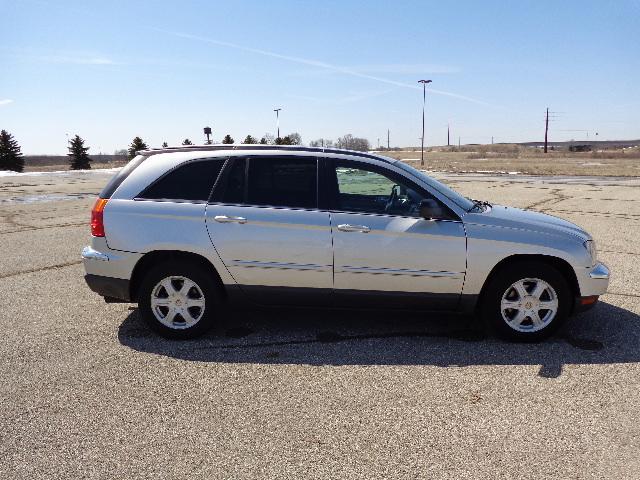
(97,222)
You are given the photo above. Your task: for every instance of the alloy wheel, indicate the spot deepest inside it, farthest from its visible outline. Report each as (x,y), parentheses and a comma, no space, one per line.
(177,302)
(529,305)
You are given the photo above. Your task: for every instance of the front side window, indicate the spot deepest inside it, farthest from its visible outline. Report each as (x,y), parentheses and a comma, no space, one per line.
(368,189)
(272,181)
(191,181)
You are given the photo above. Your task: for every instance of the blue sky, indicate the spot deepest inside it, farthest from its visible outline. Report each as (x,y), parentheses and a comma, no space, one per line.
(162,70)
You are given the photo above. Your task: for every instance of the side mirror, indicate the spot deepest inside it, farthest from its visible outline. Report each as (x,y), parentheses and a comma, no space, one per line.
(430,209)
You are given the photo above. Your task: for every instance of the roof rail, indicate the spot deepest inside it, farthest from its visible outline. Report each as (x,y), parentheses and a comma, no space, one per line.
(291,148)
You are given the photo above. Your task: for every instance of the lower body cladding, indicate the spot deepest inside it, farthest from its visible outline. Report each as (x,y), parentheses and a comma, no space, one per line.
(108,273)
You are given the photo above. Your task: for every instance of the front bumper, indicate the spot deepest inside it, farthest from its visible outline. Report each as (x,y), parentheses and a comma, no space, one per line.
(593,281)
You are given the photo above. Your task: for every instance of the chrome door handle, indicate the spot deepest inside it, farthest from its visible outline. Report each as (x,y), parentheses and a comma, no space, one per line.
(345,227)
(226,219)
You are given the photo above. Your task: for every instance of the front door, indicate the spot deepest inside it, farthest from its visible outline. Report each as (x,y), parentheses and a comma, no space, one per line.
(383,249)
(264,222)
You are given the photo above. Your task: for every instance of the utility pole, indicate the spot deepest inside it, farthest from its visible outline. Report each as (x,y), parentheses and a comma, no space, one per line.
(387,139)
(458,142)
(546,130)
(378,143)
(277,110)
(448,135)
(424,101)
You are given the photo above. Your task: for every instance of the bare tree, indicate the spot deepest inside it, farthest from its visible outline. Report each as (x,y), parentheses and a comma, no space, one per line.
(268,139)
(350,142)
(321,142)
(295,138)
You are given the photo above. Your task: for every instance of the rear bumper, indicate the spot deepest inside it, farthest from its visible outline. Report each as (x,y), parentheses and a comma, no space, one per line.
(109,287)
(108,272)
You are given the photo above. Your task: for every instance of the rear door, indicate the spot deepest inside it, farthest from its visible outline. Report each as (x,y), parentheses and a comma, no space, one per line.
(264,221)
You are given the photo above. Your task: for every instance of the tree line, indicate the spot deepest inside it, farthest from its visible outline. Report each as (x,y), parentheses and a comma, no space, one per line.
(11,158)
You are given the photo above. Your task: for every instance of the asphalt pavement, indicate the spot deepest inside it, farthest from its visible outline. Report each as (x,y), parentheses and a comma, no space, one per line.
(87,391)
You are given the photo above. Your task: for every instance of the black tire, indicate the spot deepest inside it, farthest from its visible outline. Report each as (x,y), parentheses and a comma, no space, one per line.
(203,280)
(501,281)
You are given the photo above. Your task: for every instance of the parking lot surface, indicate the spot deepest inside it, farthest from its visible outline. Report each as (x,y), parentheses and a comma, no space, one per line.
(87,391)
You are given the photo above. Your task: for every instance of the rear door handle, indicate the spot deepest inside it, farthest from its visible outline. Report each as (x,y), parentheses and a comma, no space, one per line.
(345,227)
(227,219)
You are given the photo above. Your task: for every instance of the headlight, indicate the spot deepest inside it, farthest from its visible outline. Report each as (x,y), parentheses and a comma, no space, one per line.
(590,245)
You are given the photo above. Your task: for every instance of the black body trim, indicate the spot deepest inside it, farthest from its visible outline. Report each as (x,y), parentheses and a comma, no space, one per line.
(578,307)
(351,299)
(113,288)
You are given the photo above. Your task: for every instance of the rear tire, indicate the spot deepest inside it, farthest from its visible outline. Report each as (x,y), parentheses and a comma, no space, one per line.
(526,301)
(179,299)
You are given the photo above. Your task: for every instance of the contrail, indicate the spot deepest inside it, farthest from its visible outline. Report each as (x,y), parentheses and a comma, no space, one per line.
(318,64)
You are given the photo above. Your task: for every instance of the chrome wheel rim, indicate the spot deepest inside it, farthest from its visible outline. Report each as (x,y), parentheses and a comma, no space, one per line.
(529,305)
(177,302)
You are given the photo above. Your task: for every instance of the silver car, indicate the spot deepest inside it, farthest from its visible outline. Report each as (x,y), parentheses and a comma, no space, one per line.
(182,231)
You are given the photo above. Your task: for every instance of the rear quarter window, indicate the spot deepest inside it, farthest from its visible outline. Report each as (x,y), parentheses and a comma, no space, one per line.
(192,181)
(121,176)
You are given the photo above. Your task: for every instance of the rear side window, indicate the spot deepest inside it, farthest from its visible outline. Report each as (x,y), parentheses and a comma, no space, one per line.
(283,182)
(192,181)
(121,176)
(271,181)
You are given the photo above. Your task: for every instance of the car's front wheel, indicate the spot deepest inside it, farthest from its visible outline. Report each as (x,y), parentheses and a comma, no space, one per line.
(178,299)
(526,301)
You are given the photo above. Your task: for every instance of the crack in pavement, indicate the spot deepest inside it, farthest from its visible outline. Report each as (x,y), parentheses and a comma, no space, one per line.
(40,269)
(30,228)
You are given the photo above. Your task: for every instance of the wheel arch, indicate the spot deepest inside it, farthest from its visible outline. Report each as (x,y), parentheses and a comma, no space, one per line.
(154,257)
(560,264)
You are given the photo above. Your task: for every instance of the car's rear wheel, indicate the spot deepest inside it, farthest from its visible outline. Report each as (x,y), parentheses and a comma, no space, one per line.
(526,301)
(178,299)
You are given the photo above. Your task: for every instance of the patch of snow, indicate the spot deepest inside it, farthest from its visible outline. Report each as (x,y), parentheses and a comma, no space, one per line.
(59,173)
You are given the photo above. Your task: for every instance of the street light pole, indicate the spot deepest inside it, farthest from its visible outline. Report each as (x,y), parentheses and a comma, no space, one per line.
(277,110)
(424,100)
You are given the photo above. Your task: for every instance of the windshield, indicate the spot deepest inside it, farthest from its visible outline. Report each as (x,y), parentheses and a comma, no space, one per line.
(451,194)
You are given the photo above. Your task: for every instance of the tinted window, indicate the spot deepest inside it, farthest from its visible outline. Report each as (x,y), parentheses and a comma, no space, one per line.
(234,181)
(191,181)
(283,182)
(121,176)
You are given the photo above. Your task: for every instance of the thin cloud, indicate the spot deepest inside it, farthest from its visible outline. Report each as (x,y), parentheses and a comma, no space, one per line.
(59,56)
(406,69)
(77,60)
(6,101)
(318,64)
(356,97)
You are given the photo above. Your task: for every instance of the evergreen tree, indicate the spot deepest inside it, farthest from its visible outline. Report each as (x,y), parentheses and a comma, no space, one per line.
(78,157)
(137,145)
(10,155)
(250,140)
(227,140)
(186,141)
(165,144)
(263,141)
